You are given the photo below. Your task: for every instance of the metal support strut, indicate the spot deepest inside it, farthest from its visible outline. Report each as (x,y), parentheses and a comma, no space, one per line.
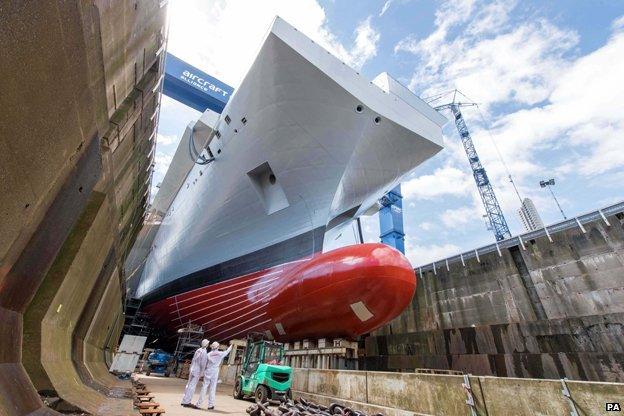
(566,393)
(470,400)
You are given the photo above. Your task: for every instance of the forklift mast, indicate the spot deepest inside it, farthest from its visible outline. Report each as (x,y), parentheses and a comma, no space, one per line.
(259,339)
(261,373)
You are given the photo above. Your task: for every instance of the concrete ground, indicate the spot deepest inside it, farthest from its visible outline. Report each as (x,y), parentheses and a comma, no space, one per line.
(168,392)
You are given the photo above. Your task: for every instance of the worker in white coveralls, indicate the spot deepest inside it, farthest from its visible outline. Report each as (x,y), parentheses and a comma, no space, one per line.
(198,366)
(211,374)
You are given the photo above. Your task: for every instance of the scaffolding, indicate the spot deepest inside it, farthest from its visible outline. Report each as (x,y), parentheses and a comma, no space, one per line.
(135,321)
(189,340)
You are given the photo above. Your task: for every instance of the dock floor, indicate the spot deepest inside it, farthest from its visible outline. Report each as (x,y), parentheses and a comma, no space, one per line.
(168,392)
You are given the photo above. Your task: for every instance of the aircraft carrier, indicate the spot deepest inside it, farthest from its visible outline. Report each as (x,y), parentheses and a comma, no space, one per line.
(529,325)
(260,237)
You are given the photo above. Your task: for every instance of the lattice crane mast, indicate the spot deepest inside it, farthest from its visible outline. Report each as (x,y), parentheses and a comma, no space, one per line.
(495,216)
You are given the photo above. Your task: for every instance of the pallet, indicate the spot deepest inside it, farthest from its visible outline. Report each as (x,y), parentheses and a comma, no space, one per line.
(153,411)
(147,405)
(143,399)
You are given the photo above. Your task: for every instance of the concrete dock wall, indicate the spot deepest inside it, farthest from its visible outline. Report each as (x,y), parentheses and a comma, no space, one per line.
(538,309)
(395,394)
(80,88)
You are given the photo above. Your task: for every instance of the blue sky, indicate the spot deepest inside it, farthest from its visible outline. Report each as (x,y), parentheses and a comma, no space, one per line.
(547,77)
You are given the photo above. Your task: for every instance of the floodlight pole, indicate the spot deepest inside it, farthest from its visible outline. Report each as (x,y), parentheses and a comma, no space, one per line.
(548,184)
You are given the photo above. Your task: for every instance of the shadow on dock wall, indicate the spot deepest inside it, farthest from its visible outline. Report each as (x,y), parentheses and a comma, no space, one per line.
(548,310)
(80,88)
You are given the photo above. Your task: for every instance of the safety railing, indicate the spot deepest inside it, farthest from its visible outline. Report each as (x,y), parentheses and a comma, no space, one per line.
(520,240)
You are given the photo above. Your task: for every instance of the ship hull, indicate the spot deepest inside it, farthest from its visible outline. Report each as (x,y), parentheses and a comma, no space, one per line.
(342,293)
(258,239)
(304,143)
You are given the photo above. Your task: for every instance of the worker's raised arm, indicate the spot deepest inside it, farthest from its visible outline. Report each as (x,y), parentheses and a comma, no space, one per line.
(226,352)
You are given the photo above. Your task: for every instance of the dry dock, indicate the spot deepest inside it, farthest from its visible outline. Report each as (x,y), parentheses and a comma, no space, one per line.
(80,86)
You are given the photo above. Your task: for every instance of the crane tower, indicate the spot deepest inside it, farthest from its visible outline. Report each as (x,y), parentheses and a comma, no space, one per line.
(493,210)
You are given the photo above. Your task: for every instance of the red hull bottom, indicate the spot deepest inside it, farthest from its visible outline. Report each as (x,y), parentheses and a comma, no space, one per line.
(343,293)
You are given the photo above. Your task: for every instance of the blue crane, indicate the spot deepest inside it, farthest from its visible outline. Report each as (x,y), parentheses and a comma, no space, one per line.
(495,216)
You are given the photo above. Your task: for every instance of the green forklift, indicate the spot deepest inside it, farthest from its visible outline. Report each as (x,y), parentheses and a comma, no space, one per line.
(262,375)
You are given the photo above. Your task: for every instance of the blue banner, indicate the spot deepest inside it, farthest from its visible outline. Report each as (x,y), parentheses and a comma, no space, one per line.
(193,87)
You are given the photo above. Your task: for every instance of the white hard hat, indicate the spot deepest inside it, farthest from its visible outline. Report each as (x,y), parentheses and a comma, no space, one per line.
(204,343)
(214,345)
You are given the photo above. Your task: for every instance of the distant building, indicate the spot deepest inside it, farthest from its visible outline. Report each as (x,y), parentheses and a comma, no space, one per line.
(529,216)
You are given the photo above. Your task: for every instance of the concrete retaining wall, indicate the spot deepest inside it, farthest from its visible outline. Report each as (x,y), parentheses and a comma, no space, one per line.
(551,309)
(78,79)
(395,394)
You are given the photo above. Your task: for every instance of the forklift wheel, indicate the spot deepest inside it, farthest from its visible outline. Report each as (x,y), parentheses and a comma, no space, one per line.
(262,394)
(148,371)
(238,390)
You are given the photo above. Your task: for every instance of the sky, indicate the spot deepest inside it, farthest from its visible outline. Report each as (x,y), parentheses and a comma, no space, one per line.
(547,77)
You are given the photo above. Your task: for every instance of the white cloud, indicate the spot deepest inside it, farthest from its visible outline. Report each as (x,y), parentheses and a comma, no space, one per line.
(449,14)
(423,254)
(167,139)
(222,37)
(490,60)
(365,47)
(582,118)
(445,181)
(161,164)
(426,226)
(618,24)
(451,218)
